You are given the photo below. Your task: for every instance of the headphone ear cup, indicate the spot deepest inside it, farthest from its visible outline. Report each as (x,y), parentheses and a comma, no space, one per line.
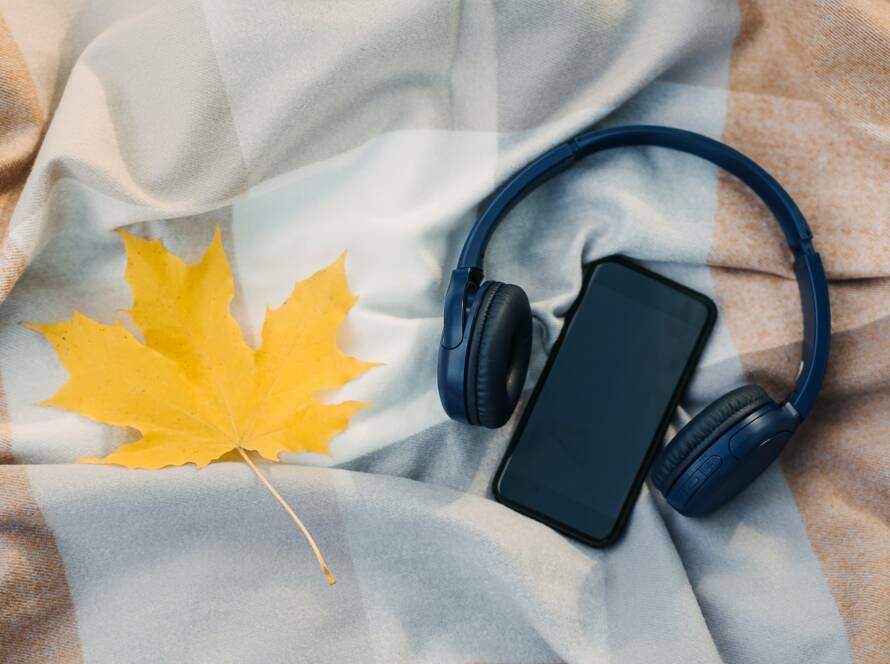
(500,346)
(702,430)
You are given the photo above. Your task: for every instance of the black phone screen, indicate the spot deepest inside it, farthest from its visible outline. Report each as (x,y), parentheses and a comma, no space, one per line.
(591,427)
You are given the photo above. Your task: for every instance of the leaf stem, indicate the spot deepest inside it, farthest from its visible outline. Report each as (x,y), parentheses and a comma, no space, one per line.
(296,519)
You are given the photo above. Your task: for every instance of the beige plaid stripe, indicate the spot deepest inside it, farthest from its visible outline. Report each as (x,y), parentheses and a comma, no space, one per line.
(809,100)
(37,621)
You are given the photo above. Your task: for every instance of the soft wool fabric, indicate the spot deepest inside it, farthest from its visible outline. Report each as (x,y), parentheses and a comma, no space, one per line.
(304,129)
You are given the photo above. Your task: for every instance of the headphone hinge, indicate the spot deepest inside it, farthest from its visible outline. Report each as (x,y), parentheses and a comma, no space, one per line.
(464,282)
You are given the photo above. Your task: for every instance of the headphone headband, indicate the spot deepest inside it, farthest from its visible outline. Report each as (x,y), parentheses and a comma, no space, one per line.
(807,264)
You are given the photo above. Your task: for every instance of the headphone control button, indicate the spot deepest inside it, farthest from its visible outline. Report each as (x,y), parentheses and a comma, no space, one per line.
(694,482)
(712,464)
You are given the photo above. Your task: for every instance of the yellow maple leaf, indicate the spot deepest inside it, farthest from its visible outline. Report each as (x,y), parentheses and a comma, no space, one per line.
(195,389)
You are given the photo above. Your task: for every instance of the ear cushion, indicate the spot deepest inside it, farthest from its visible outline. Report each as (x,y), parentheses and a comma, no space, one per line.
(704,429)
(500,345)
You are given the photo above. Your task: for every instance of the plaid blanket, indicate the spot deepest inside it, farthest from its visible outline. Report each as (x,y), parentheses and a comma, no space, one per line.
(304,129)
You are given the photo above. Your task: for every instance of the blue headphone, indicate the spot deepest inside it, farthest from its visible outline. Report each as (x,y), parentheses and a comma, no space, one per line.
(486,341)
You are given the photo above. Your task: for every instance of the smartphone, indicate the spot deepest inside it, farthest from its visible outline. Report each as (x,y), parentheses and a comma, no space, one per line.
(593,424)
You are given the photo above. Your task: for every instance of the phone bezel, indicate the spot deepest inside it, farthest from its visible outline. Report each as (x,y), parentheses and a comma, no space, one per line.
(658,436)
